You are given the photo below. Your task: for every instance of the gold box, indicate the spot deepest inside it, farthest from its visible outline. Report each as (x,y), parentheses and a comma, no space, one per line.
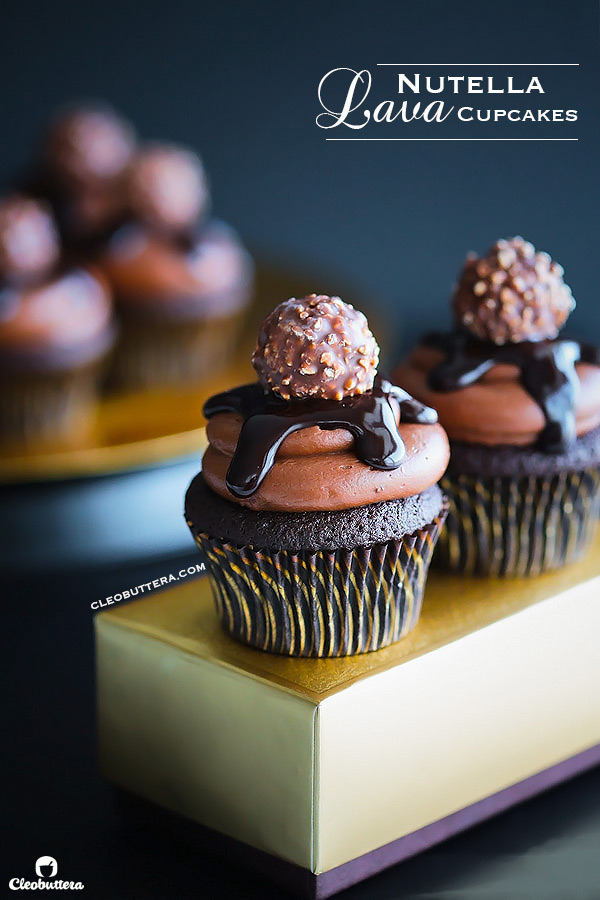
(336,768)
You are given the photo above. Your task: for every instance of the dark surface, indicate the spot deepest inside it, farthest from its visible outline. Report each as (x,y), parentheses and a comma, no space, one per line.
(304,883)
(78,523)
(59,806)
(348,528)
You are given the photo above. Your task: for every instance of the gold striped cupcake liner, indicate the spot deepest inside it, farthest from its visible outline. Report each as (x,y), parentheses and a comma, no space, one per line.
(48,406)
(158,354)
(518,526)
(320,604)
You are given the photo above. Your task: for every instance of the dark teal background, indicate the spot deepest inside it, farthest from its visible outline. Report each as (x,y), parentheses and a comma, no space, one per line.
(238,81)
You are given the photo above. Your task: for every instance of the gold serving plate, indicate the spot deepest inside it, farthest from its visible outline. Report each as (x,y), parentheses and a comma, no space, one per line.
(131,431)
(143,429)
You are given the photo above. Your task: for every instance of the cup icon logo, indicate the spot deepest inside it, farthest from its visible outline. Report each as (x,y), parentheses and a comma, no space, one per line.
(46,867)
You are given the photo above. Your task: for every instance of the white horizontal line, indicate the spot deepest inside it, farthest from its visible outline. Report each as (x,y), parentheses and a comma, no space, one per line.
(416,65)
(451,139)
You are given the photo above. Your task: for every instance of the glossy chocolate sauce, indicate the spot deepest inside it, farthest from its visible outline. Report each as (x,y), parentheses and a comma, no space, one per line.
(547,372)
(268,420)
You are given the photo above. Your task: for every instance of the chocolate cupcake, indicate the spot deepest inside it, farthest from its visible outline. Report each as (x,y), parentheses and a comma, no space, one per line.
(521,406)
(317,507)
(181,286)
(81,168)
(55,330)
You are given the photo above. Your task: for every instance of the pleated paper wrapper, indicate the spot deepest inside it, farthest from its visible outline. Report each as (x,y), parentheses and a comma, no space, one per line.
(518,526)
(54,406)
(324,603)
(168,354)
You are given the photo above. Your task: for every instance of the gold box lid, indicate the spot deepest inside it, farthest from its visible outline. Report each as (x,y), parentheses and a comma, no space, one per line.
(454,606)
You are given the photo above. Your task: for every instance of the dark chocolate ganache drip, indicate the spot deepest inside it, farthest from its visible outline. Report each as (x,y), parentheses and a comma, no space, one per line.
(268,420)
(547,372)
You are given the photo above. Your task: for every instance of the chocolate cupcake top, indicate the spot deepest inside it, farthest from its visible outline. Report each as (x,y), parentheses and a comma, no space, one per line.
(314,449)
(51,317)
(139,212)
(165,262)
(87,145)
(208,277)
(63,322)
(80,168)
(504,376)
(29,244)
(167,190)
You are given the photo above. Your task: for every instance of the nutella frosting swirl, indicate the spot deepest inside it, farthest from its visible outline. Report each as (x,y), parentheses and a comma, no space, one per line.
(152,276)
(495,409)
(309,455)
(294,442)
(64,322)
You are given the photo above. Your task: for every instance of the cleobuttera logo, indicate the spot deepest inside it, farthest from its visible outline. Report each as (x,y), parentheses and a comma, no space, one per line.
(46,868)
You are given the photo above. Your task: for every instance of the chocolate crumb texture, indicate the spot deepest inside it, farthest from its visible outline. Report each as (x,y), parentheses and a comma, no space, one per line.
(512,294)
(318,346)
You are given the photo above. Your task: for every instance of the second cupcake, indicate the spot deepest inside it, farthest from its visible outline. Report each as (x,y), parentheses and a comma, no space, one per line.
(317,507)
(522,409)
(56,330)
(181,286)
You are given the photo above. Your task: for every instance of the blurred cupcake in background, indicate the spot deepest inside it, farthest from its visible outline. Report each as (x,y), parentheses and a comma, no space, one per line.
(139,213)
(521,406)
(80,168)
(181,283)
(56,329)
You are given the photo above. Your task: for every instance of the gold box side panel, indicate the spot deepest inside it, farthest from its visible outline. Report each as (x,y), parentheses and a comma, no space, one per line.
(454,607)
(233,753)
(418,742)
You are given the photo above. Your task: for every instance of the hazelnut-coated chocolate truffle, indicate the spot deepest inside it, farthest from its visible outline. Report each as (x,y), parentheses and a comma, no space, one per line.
(512,294)
(167,188)
(87,146)
(316,347)
(29,245)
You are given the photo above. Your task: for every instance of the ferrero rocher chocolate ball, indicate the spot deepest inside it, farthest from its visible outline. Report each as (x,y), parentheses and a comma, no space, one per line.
(29,245)
(512,294)
(167,188)
(316,347)
(86,146)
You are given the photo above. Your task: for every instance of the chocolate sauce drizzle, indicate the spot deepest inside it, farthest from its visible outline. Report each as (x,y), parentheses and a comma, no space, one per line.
(547,372)
(268,420)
